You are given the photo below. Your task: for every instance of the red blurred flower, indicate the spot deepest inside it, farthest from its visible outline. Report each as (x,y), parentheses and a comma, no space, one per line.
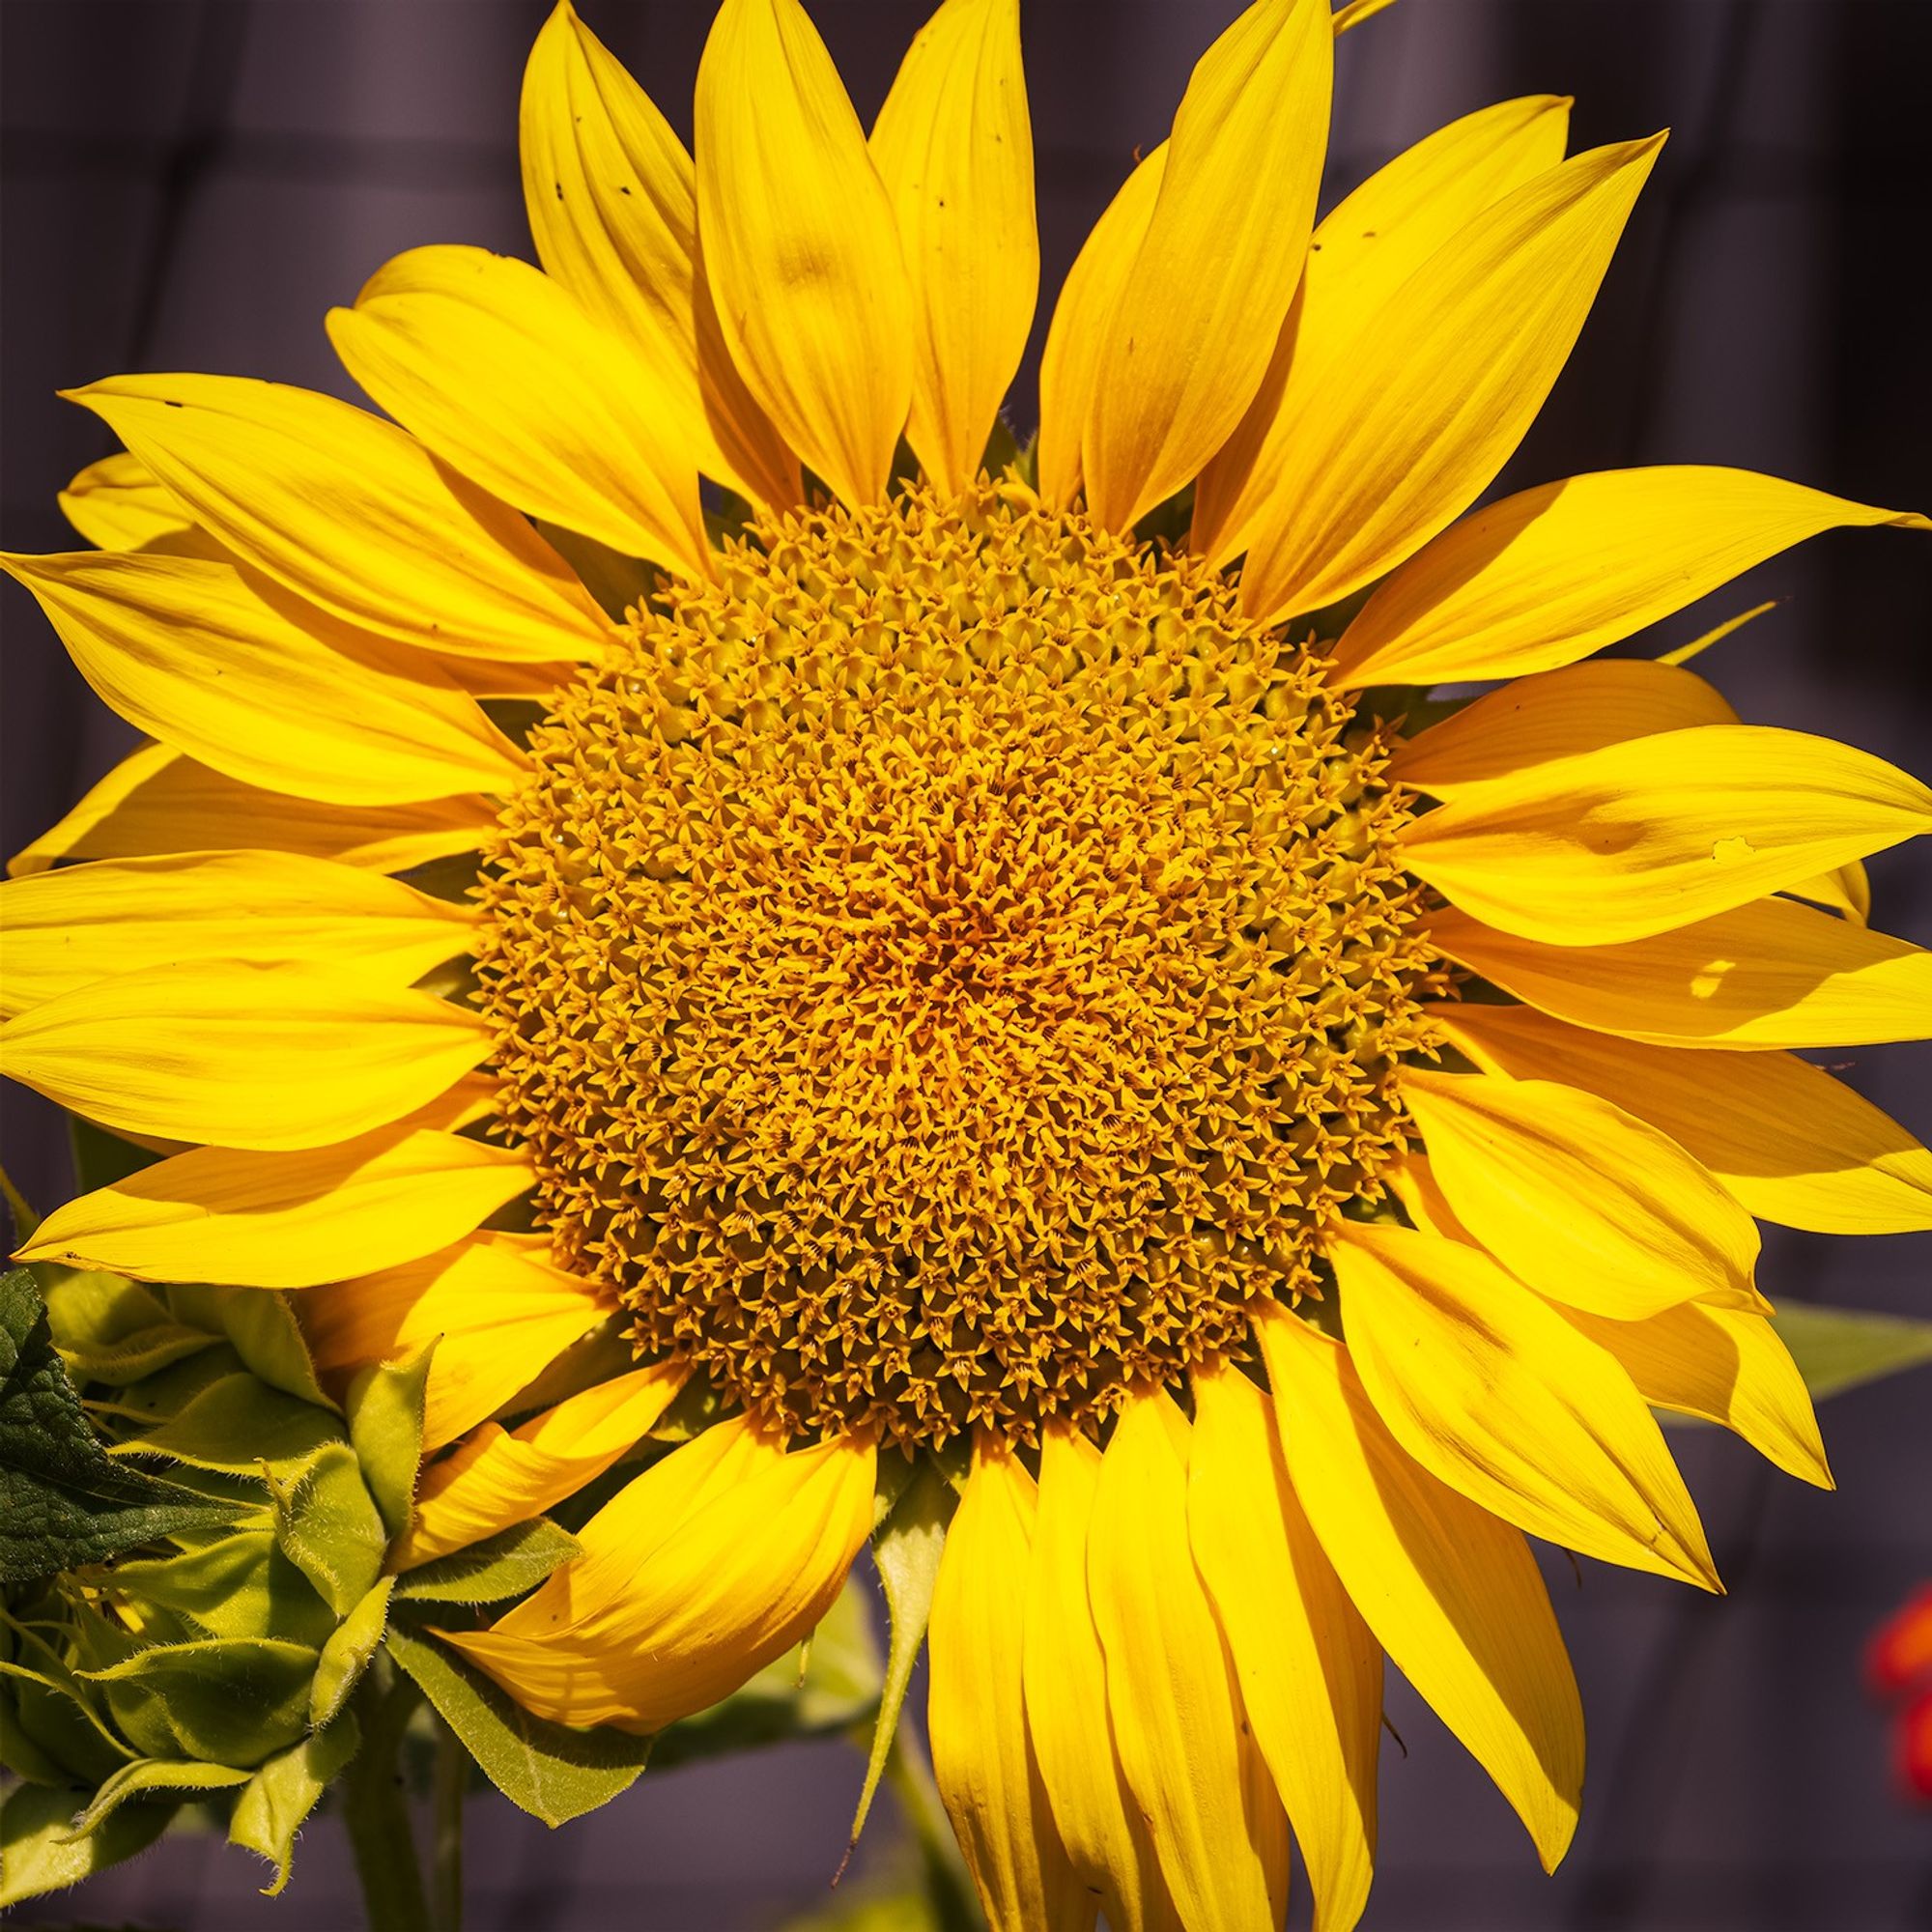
(1899,1660)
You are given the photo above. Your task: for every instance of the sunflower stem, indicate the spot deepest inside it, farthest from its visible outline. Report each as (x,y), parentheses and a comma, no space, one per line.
(376,1806)
(452,1773)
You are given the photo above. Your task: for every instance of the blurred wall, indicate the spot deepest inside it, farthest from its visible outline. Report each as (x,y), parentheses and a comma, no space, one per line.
(189,183)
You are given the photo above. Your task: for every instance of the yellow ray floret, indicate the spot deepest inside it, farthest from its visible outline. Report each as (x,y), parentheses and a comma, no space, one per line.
(1582,1201)
(1219,1833)
(264,908)
(982,1755)
(187,649)
(157,801)
(1492,1391)
(498,370)
(242,1056)
(1768,974)
(1789,1141)
(1310,1672)
(954,146)
(1452,1594)
(716,1560)
(350,513)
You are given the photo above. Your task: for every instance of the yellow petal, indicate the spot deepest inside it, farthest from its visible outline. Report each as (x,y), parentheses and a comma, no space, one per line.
(1181,356)
(612,211)
(1095,288)
(1407,433)
(981,1758)
(1065,1682)
(350,515)
(288,1219)
(1176,1712)
(800,245)
(88,922)
(1726,1365)
(1845,888)
(240,1056)
(155,800)
(1789,1143)
(494,1479)
(116,505)
(1311,1674)
(498,1312)
(1360,255)
(954,146)
(1581,1199)
(496,368)
(1633,838)
(1452,1594)
(692,1578)
(183,647)
(1769,973)
(1555,714)
(1493,1393)
(1549,576)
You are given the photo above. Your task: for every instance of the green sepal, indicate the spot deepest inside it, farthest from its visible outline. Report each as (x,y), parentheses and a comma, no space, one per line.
(262,1329)
(551,1770)
(227,1700)
(239,1585)
(35,1855)
(614,580)
(63,1501)
(906,1549)
(281,1794)
(505,1565)
(147,1774)
(101,1158)
(346,1656)
(1840,1348)
(23,1218)
(328,1525)
(52,1733)
(160,1395)
(385,1424)
(829,1688)
(236,1424)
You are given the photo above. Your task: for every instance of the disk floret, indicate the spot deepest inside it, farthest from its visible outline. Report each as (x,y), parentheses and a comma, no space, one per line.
(944,970)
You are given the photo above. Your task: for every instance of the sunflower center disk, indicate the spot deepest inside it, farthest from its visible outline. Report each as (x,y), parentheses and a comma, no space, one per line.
(944,972)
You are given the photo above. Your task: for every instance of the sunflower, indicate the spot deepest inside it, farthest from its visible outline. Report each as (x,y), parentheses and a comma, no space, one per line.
(983,959)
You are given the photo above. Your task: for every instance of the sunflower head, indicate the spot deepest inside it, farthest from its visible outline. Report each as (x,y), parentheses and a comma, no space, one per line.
(944,970)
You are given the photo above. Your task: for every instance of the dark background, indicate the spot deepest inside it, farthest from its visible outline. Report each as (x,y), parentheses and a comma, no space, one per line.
(189,183)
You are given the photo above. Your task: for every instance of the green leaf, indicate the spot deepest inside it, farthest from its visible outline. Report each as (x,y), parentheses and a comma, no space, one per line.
(347,1654)
(236,1424)
(1839,1349)
(36,1853)
(154,1774)
(829,1684)
(63,1501)
(505,1565)
(228,1700)
(111,1329)
(385,1424)
(547,1769)
(282,1794)
(327,1524)
(907,1552)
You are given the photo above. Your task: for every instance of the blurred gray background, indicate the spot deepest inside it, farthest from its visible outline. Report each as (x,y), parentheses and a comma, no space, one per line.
(189,183)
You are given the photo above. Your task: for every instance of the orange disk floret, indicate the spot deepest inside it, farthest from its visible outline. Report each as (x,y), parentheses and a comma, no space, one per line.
(944,970)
